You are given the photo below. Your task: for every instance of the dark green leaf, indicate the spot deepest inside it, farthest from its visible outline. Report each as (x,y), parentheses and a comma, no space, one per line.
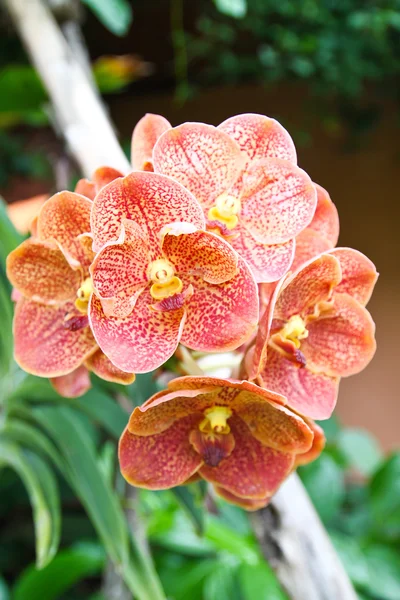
(116,15)
(385,497)
(190,499)
(4,590)
(259,581)
(69,567)
(324,481)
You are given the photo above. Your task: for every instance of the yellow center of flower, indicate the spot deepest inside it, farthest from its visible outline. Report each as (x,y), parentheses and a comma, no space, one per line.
(225,210)
(215,420)
(165,282)
(84,293)
(294,330)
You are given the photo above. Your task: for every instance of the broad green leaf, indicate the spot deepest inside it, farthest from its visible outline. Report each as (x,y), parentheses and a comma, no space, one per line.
(227,539)
(221,583)
(9,237)
(4,590)
(324,481)
(181,538)
(190,499)
(232,8)
(95,493)
(385,497)
(42,490)
(183,580)
(106,460)
(384,572)
(352,557)
(116,15)
(360,449)
(69,567)
(259,581)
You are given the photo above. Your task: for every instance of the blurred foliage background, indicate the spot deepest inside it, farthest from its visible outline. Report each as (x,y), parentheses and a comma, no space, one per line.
(58,456)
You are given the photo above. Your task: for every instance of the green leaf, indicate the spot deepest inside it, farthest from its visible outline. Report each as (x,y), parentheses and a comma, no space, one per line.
(352,557)
(190,499)
(69,567)
(232,8)
(384,572)
(221,583)
(4,591)
(116,15)
(227,539)
(95,493)
(360,449)
(385,497)
(259,581)
(324,481)
(9,236)
(43,493)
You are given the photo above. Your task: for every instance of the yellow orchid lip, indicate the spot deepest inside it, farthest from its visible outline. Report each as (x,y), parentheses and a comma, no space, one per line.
(225,210)
(215,420)
(166,283)
(83,295)
(294,330)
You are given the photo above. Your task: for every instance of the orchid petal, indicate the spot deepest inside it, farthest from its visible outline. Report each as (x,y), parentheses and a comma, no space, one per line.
(140,342)
(73,384)
(308,393)
(342,342)
(252,470)
(40,271)
(160,461)
(86,188)
(103,176)
(326,218)
(246,503)
(44,346)
(152,201)
(316,448)
(309,244)
(358,274)
(278,200)
(260,137)
(99,364)
(202,254)
(201,157)
(144,137)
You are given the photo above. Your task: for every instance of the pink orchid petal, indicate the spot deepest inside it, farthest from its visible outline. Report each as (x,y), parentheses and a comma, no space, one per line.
(260,137)
(311,284)
(73,384)
(221,317)
(342,342)
(326,218)
(140,342)
(247,503)
(252,470)
(100,364)
(317,447)
(309,244)
(311,394)
(201,157)
(40,271)
(86,188)
(278,200)
(146,133)
(160,461)
(358,274)
(267,262)
(43,345)
(152,201)
(119,271)
(202,254)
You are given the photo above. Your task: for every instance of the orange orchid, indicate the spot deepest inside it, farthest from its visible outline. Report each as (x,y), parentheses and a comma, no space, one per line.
(244,175)
(160,279)
(234,434)
(144,137)
(52,287)
(315,331)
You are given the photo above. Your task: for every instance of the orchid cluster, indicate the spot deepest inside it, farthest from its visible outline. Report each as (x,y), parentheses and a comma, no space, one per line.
(216,242)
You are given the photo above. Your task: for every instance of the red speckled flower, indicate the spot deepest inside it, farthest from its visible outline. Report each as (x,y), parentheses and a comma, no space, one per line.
(50,274)
(244,175)
(159,278)
(316,330)
(144,137)
(233,434)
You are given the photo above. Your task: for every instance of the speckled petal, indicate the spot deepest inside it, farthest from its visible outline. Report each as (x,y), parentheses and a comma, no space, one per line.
(316,448)
(103,367)
(152,201)
(246,503)
(221,317)
(73,384)
(63,218)
(160,461)
(341,343)
(278,201)
(260,137)
(267,262)
(311,394)
(40,271)
(201,157)
(312,284)
(252,470)
(86,188)
(140,342)
(119,271)
(43,345)
(144,137)
(309,244)
(358,274)
(103,176)
(203,254)
(326,218)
